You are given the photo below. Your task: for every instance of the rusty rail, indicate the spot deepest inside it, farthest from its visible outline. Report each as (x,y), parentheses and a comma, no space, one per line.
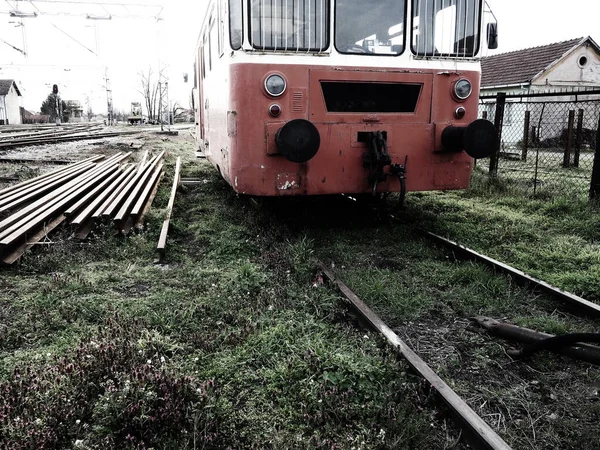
(479,433)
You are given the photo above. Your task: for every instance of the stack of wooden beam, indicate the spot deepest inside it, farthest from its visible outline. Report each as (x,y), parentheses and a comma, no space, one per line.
(80,194)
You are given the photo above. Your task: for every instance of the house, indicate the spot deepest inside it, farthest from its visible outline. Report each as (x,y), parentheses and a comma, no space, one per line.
(75,111)
(560,67)
(10,103)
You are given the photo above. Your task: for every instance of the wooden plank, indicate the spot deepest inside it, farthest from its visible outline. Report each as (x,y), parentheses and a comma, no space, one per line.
(162,240)
(482,434)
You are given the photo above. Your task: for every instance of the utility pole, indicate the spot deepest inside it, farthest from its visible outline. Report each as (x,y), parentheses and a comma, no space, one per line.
(109,102)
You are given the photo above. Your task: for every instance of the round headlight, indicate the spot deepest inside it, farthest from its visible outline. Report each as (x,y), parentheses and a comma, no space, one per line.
(462,89)
(275,85)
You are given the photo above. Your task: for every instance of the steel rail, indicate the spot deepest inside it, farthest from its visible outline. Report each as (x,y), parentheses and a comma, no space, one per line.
(519,275)
(18,187)
(123,183)
(137,208)
(87,212)
(122,196)
(139,186)
(65,139)
(17,230)
(162,241)
(479,433)
(64,186)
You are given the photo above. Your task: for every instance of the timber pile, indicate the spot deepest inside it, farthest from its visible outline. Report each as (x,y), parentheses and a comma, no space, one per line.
(19,137)
(80,194)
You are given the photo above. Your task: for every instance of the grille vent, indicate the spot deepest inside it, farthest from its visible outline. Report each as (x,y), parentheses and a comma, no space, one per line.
(298,101)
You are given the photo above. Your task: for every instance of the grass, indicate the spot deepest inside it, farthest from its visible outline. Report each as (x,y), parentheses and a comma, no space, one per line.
(228,345)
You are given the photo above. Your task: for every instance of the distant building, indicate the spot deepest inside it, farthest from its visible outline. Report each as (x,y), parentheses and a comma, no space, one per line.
(75,111)
(10,103)
(573,64)
(560,67)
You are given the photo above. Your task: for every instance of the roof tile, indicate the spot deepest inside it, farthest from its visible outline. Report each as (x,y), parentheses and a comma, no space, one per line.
(522,65)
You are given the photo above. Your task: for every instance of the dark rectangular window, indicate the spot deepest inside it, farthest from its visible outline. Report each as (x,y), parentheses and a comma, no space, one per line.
(289,25)
(370,28)
(360,97)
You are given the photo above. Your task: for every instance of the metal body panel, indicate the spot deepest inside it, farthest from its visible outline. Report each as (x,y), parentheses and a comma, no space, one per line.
(240,133)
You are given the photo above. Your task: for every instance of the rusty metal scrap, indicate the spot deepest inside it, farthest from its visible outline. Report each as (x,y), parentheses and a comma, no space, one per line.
(578,350)
(78,194)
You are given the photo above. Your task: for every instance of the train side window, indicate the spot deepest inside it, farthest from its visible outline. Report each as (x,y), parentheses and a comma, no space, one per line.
(195,74)
(204,57)
(235,24)
(214,42)
(211,44)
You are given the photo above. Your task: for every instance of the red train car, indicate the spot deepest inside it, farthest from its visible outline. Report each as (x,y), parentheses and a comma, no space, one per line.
(308,97)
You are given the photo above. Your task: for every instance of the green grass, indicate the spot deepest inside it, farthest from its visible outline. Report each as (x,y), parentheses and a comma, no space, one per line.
(228,345)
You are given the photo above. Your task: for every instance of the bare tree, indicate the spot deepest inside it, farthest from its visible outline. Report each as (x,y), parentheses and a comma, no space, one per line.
(178,113)
(152,93)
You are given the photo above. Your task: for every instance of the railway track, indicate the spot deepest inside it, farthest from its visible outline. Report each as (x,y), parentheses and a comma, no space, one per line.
(478,432)
(469,421)
(47,135)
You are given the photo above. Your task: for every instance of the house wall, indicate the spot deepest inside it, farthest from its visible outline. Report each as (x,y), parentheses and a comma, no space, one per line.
(569,73)
(13,106)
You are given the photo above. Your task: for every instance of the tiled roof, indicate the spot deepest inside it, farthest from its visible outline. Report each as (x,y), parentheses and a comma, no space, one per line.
(522,65)
(5,87)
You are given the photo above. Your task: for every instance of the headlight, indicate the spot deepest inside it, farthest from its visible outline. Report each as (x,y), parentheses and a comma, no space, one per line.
(463,89)
(275,85)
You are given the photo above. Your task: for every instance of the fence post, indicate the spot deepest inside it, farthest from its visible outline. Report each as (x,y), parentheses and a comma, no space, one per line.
(498,120)
(595,184)
(569,142)
(578,138)
(525,136)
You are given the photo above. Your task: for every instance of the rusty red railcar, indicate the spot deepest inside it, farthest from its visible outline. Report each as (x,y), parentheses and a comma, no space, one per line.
(308,97)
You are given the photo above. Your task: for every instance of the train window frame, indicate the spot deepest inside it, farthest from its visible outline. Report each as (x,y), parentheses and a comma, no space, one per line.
(203,54)
(476,49)
(324,49)
(393,55)
(230,23)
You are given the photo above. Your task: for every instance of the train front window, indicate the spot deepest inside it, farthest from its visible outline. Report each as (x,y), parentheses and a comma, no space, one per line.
(446,27)
(289,25)
(370,27)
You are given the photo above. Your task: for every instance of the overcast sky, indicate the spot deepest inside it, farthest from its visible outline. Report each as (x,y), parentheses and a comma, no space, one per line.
(67,50)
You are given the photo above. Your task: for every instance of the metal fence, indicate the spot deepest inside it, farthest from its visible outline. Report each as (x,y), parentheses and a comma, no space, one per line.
(547,142)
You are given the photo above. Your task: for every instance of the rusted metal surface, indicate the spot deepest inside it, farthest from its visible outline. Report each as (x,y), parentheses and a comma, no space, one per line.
(553,291)
(74,192)
(581,351)
(162,241)
(242,145)
(479,433)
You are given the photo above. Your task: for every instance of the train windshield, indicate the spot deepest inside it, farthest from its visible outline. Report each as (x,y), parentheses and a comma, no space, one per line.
(370,27)
(289,25)
(446,27)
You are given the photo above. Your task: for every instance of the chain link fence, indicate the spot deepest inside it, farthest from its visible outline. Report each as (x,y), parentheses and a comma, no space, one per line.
(547,144)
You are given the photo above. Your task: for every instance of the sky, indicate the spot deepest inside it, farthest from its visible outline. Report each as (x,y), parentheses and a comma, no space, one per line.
(75,52)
